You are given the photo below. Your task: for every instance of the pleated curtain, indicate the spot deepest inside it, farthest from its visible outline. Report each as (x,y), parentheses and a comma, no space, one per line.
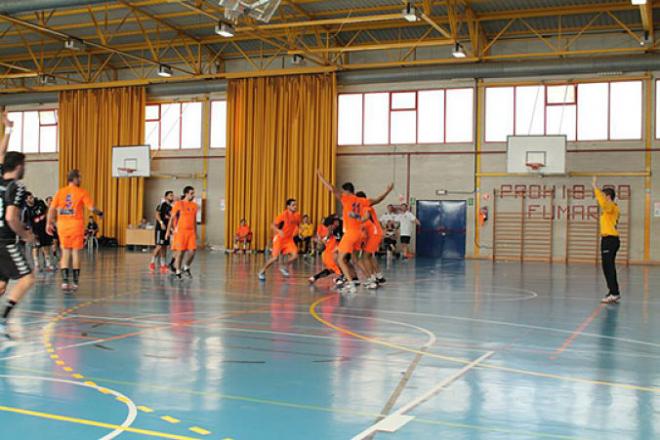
(280,130)
(91,122)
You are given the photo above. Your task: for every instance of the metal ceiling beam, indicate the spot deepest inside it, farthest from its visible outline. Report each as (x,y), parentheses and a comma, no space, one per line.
(19,6)
(44,30)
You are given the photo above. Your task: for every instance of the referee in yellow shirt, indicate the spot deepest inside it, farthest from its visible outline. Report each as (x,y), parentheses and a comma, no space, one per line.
(609,242)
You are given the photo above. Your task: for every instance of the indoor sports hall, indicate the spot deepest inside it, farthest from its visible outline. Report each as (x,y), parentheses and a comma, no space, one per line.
(333,220)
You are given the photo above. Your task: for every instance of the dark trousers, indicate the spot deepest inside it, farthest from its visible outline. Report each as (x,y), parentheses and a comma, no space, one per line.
(609,246)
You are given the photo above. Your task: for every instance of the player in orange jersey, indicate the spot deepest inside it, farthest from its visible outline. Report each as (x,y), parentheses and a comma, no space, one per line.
(67,209)
(285,228)
(243,235)
(374,237)
(353,210)
(329,257)
(184,243)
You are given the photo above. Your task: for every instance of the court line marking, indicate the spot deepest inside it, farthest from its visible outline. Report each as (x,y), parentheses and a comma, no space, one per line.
(398,415)
(376,341)
(577,332)
(308,407)
(132,409)
(79,421)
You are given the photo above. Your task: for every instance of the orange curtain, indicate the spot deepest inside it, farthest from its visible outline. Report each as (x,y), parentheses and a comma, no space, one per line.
(91,122)
(280,130)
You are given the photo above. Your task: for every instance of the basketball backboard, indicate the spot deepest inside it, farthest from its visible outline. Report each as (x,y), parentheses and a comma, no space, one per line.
(131,161)
(536,154)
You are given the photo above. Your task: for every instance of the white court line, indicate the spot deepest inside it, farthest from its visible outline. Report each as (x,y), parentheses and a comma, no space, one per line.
(398,419)
(132,409)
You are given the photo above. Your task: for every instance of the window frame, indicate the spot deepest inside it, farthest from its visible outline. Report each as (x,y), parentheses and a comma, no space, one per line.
(391,110)
(211,101)
(55,110)
(576,104)
(159,104)
(656,109)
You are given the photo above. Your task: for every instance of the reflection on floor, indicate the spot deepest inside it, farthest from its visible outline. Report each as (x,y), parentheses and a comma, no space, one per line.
(447,350)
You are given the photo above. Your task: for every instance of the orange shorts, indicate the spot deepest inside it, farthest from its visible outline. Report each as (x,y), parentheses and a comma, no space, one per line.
(284,246)
(373,243)
(184,240)
(71,240)
(350,242)
(330,263)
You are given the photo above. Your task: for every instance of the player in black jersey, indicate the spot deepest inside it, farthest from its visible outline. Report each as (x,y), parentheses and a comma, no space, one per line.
(13,264)
(34,217)
(163,214)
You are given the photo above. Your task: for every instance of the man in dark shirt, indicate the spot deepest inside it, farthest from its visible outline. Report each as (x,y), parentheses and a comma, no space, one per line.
(13,264)
(163,214)
(34,217)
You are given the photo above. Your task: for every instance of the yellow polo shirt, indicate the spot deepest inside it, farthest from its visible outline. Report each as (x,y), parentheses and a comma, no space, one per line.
(609,217)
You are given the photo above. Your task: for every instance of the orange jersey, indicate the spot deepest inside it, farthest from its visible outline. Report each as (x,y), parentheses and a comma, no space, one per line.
(373,224)
(186,215)
(331,245)
(322,230)
(243,231)
(70,202)
(352,207)
(288,222)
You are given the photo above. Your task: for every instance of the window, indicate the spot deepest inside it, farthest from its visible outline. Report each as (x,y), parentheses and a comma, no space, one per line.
(583,112)
(350,119)
(411,117)
(218,124)
(35,131)
(174,126)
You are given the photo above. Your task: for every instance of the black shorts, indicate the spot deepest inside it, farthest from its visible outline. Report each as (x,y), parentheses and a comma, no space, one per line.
(13,264)
(405,239)
(43,239)
(160,238)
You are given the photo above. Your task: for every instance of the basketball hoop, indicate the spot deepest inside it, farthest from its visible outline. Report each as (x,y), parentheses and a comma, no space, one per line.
(535,167)
(126,172)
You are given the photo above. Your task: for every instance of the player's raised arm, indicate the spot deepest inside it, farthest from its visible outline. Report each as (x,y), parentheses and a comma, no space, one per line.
(380,198)
(4,140)
(327,184)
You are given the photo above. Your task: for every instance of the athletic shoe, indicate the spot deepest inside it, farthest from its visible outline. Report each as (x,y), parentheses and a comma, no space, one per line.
(66,286)
(311,280)
(349,289)
(50,268)
(73,286)
(172,268)
(381,280)
(178,276)
(372,285)
(611,299)
(187,272)
(152,267)
(262,276)
(339,282)
(164,268)
(284,271)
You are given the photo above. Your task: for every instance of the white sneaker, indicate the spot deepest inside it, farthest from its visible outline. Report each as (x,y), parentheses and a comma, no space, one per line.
(611,299)
(284,271)
(311,280)
(262,276)
(348,289)
(372,286)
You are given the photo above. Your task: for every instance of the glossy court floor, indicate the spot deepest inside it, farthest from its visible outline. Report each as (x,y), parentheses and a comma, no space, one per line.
(448,350)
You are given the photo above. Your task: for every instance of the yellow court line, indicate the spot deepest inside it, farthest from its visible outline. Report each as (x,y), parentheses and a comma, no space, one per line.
(78,421)
(315,315)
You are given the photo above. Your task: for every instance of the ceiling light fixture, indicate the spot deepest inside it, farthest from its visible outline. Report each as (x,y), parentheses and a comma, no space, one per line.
(224,29)
(164,70)
(458,51)
(74,44)
(409,13)
(638,2)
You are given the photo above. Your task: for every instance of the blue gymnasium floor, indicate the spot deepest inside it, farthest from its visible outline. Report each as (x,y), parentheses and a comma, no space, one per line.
(448,350)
